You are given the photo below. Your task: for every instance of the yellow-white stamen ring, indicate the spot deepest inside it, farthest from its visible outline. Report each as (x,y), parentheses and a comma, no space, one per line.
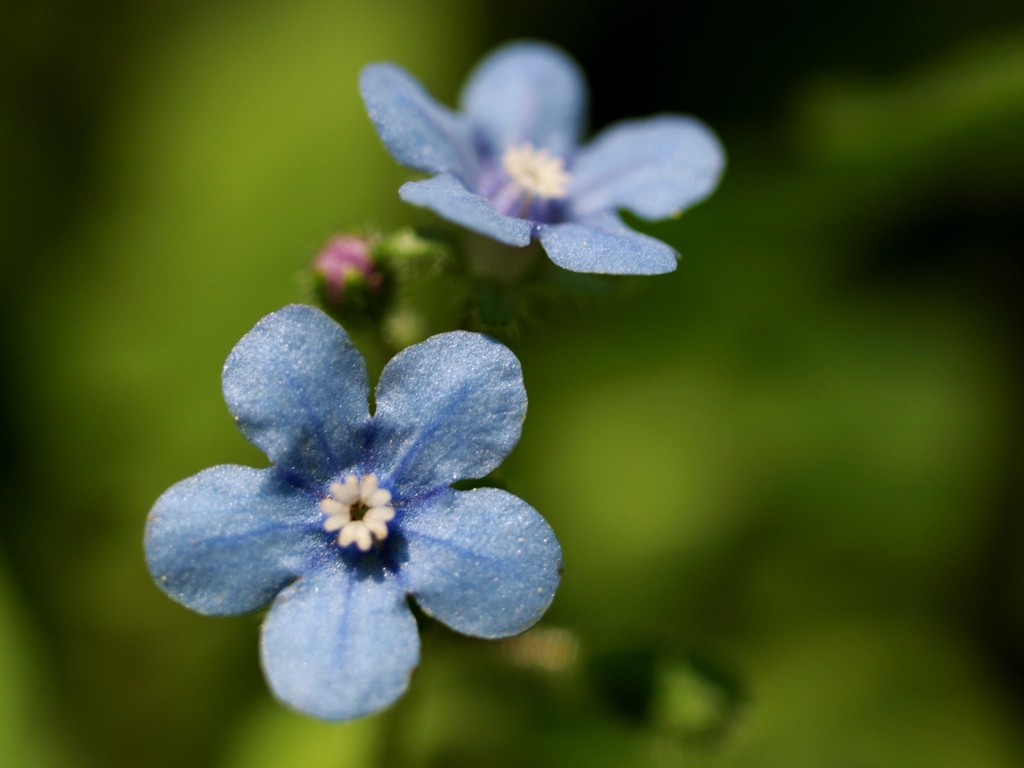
(365,495)
(536,171)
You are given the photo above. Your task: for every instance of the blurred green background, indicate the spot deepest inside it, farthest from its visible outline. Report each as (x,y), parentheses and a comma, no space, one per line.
(786,478)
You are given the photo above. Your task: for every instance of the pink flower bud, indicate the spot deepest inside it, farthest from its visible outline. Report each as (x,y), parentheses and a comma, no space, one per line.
(346,260)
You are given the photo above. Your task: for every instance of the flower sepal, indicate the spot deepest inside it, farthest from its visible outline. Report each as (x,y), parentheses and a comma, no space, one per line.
(406,249)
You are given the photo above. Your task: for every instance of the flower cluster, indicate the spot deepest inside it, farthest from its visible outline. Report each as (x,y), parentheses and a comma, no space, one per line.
(357,511)
(510,166)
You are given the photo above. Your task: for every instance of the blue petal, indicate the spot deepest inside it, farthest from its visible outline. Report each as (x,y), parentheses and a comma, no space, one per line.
(417,131)
(340,643)
(448,197)
(298,391)
(449,408)
(223,542)
(654,167)
(602,243)
(484,562)
(527,92)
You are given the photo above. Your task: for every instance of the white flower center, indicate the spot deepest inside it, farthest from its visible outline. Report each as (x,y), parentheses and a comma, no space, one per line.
(536,171)
(359,510)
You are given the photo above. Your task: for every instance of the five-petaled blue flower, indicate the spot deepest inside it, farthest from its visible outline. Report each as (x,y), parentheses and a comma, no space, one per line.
(509,166)
(357,512)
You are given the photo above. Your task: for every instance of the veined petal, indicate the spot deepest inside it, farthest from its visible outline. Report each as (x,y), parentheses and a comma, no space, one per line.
(603,243)
(654,167)
(484,562)
(448,197)
(418,132)
(339,643)
(449,408)
(298,390)
(223,542)
(527,92)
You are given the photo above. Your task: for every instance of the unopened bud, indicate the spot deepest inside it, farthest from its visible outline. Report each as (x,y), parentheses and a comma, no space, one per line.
(346,266)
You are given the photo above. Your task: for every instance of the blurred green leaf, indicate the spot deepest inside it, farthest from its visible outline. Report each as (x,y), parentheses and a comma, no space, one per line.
(760,456)
(237,147)
(30,732)
(873,692)
(272,736)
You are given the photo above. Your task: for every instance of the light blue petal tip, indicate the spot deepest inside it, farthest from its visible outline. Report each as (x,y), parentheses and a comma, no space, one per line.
(527,92)
(602,243)
(449,198)
(483,562)
(655,167)
(339,643)
(418,131)
(449,408)
(298,390)
(223,542)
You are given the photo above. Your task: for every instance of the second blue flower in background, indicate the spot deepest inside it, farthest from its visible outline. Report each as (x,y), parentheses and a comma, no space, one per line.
(509,165)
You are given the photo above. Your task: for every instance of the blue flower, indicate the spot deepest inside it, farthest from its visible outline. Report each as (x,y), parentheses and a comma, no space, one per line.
(509,166)
(357,513)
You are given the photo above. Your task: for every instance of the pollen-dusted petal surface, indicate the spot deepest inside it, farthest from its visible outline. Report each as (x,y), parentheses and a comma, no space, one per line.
(298,390)
(527,92)
(417,131)
(340,643)
(603,243)
(654,167)
(448,408)
(484,562)
(448,197)
(324,528)
(223,542)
